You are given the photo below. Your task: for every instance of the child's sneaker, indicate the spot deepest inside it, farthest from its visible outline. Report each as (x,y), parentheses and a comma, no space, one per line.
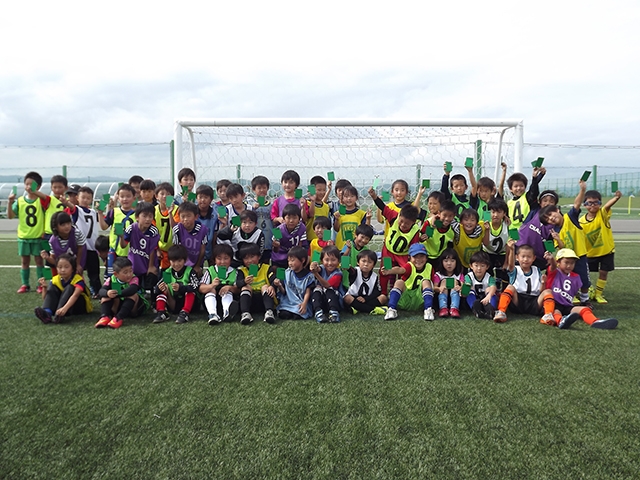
(43,315)
(454,312)
(592,293)
(57,319)
(115,323)
(24,289)
(39,290)
(103,322)
(576,300)
(269,317)
(320,317)
(214,320)
(444,312)
(477,309)
(605,323)
(379,311)
(334,316)
(600,299)
(490,312)
(391,314)
(161,317)
(547,319)
(500,317)
(228,315)
(429,314)
(183,317)
(568,320)
(246,318)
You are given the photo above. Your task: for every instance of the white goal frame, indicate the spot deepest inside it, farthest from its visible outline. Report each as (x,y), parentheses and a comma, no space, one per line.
(188,123)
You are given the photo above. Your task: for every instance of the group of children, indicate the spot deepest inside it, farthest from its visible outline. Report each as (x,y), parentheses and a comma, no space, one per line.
(302,256)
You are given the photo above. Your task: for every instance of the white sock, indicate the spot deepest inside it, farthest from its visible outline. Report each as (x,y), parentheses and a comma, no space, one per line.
(227,298)
(211,303)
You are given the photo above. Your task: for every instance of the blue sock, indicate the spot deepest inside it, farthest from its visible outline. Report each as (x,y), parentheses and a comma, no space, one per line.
(427,296)
(471,298)
(394,297)
(48,310)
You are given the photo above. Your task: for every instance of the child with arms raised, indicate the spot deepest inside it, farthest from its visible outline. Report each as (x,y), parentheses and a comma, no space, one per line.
(458,192)
(520,205)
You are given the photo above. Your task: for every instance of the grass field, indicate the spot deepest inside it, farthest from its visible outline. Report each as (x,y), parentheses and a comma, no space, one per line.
(362,399)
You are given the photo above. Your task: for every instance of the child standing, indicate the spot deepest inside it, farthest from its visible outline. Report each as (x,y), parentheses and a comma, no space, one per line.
(458,192)
(399,192)
(447,282)
(316,205)
(413,290)
(345,224)
(600,246)
(482,298)
(533,232)
(564,284)
(66,293)
(142,238)
(494,243)
(293,233)
(436,233)
(58,201)
(364,293)
(220,284)
(520,205)
(468,236)
(186,180)
(294,294)
(262,207)
(164,221)
(192,234)
(176,291)
(258,294)
(327,295)
(221,190)
(148,192)
(116,221)
(30,211)
(290,182)
(208,217)
(119,296)
(86,220)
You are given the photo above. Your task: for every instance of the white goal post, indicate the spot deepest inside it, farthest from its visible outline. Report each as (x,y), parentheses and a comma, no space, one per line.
(356,149)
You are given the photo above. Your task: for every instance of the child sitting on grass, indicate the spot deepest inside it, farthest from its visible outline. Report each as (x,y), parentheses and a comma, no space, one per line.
(66,294)
(482,297)
(294,293)
(364,293)
(327,296)
(447,283)
(221,284)
(176,290)
(258,294)
(119,296)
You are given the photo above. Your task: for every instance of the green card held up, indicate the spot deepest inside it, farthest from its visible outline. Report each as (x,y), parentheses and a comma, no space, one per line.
(47,273)
(348,235)
(614,187)
(185,189)
(102,206)
(326,235)
(235,221)
(167,277)
(281,274)
(14,190)
(486,216)
(298,193)
(430,231)
(468,162)
(169,200)
(315,257)
(585,176)
(106,197)
(191,197)
(514,234)
(134,204)
(222,211)
(537,163)
(342,209)
(120,184)
(345,262)
(277,234)
(549,246)
(331,176)
(448,166)
(386,263)
(253,269)
(261,201)
(118,228)
(311,189)
(222,272)
(450,283)
(34,187)
(376,182)
(466,289)
(426,182)
(386,197)
(439,223)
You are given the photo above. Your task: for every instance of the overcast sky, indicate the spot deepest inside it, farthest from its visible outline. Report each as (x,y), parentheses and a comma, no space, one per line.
(103,72)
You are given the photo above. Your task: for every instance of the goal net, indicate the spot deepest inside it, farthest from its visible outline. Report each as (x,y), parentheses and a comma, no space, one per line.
(358,150)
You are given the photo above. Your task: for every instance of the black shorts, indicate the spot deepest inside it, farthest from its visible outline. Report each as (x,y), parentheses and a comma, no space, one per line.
(497,261)
(564,309)
(526,304)
(604,262)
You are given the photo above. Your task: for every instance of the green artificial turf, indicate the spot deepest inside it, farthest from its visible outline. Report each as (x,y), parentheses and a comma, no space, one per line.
(363,399)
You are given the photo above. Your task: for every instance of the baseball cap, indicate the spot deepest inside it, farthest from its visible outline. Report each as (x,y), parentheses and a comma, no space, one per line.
(566,253)
(417,249)
(74,188)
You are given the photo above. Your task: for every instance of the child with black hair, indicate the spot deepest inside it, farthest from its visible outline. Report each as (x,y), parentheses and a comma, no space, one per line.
(221,284)
(164,220)
(85,219)
(135,182)
(30,210)
(208,216)
(482,297)
(258,294)
(294,293)
(345,224)
(262,207)
(120,296)
(246,233)
(320,225)
(352,248)
(436,233)
(455,189)
(434,200)
(66,238)
(334,205)
(533,232)
(102,249)
(326,298)
(237,205)
(192,234)
(148,192)
(66,294)
(399,192)
(494,243)
(447,282)
(364,293)
(292,233)
(58,202)
(520,205)
(486,191)
(221,190)
(142,238)
(468,235)
(116,220)
(290,181)
(318,208)
(176,290)
(186,180)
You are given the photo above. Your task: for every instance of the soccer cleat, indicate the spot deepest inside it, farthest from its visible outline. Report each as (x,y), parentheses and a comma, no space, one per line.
(568,320)
(183,317)
(600,299)
(547,319)
(500,316)
(454,312)
(39,290)
(43,315)
(103,322)
(269,317)
(477,309)
(378,311)
(57,318)
(24,289)
(161,317)
(429,314)
(115,323)
(334,316)
(391,314)
(592,293)
(605,324)
(576,300)
(320,317)
(490,312)
(444,312)
(246,318)
(214,320)
(228,315)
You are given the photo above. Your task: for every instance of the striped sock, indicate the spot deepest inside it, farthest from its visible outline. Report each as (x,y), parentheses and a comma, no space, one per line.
(427,296)
(394,297)
(600,284)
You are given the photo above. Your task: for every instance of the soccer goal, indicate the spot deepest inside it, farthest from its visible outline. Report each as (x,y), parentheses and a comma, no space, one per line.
(360,150)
